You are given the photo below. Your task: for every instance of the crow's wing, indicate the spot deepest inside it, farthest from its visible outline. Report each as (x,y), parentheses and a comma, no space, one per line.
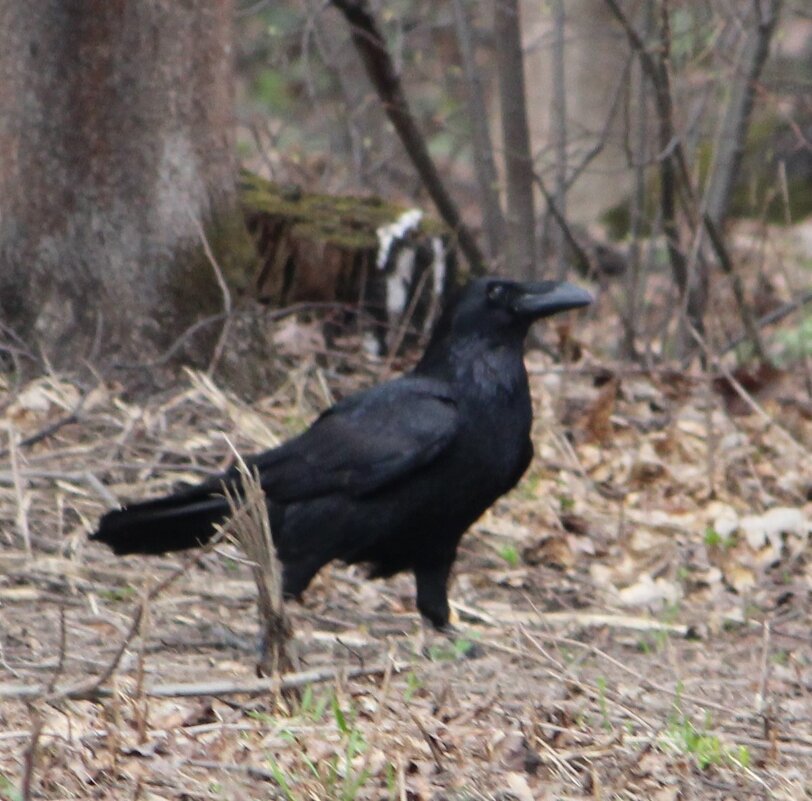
(364,442)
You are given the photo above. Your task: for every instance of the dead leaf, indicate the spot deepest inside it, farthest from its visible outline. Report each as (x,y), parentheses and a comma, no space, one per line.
(550,550)
(762,381)
(597,422)
(519,787)
(740,578)
(650,592)
(759,530)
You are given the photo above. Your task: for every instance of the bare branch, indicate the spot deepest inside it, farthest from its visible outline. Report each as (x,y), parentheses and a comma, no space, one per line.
(672,164)
(745,311)
(630,314)
(224,290)
(372,49)
(584,263)
(50,429)
(29,760)
(775,316)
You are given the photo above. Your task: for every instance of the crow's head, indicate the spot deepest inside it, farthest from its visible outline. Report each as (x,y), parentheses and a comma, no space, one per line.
(493,312)
(494,305)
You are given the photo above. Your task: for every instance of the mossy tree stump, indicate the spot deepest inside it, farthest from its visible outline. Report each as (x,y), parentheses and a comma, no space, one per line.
(384,267)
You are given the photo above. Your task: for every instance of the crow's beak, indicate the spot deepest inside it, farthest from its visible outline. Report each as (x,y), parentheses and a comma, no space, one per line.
(550,297)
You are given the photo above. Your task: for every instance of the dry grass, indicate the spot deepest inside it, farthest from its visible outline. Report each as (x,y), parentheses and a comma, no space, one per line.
(619,638)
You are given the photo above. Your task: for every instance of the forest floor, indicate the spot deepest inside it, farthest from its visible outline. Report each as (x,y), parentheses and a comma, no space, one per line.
(633,619)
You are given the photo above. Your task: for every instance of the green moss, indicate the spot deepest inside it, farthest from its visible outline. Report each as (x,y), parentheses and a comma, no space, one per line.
(617,221)
(618,218)
(233,248)
(342,220)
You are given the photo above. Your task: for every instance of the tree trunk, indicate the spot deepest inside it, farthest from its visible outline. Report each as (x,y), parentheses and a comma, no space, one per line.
(116,142)
(493,221)
(521,217)
(558,113)
(594,65)
(736,121)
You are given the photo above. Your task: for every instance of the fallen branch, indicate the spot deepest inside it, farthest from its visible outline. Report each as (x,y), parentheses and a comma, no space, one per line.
(252,771)
(582,619)
(202,688)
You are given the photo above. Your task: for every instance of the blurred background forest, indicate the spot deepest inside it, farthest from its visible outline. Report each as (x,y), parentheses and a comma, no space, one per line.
(663,145)
(661,150)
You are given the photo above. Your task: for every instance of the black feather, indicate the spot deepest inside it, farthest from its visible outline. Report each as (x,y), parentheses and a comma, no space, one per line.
(394,475)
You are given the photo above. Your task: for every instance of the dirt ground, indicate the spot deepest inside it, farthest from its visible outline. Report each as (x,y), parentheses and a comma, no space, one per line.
(633,620)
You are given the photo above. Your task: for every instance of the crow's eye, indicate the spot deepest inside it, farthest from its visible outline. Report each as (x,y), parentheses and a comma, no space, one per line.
(496,292)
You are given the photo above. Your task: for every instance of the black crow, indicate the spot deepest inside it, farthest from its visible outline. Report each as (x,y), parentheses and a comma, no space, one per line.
(394,475)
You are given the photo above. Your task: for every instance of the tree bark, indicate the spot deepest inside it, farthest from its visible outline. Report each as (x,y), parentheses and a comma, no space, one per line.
(116,135)
(559,119)
(484,163)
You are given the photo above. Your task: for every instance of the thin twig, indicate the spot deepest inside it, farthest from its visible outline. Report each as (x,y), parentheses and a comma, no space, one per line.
(580,619)
(484,162)
(518,159)
(29,760)
(674,173)
(434,749)
(566,675)
(101,490)
(50,429)
(267,316)
(585,263)
(91,688)
(405,322)
(775,316)
(744,394)
(745,312)
(19,488)
(645,683)
(63,646)
(558,113)
(738,112)
(376,723)
(224,290)
(141,701)
(761,694)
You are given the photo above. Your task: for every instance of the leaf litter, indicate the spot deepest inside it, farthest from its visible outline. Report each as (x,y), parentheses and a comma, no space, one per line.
(633,620)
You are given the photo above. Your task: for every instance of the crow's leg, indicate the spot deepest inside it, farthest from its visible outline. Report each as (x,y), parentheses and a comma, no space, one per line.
(432,591)
(296,576)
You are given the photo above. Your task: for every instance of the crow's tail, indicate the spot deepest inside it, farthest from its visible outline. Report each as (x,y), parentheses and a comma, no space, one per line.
(183,520)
